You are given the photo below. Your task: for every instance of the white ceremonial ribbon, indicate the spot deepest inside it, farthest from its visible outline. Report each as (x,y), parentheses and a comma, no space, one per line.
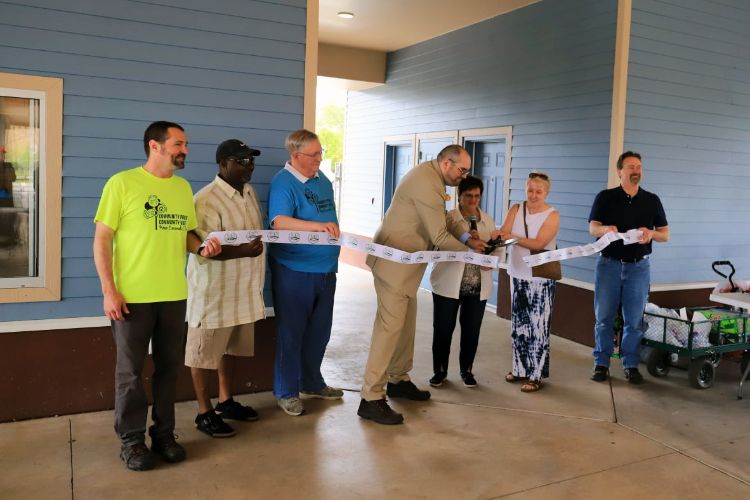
(354,242)
(628,238)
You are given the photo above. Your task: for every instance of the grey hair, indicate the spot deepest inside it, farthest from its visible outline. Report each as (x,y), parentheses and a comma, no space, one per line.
(297,139)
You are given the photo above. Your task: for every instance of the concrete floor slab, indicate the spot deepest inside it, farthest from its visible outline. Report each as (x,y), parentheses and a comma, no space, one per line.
(35,459)
(443,451)
(568,391)
(730,456)
(471,452)
(665,477)
(670,411)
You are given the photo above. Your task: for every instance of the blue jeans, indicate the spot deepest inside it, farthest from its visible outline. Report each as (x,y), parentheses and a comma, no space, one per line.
(303,303)
(620,283)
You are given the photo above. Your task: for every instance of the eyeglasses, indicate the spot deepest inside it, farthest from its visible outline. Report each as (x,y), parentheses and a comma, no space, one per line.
(464,171)
(245,162)
(317,156)
(538,175)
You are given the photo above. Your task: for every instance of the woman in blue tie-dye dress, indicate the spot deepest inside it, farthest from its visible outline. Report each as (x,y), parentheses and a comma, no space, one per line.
(531,297)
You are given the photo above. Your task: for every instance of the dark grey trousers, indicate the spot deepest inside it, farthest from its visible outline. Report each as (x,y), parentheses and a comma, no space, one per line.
(162,323)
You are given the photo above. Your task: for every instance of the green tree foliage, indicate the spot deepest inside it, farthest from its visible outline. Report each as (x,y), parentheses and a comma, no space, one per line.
(330,128)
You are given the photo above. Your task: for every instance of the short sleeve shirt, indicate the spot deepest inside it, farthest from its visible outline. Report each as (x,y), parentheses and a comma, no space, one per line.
(615,207)
(150,217)
(225,293)
(311,200)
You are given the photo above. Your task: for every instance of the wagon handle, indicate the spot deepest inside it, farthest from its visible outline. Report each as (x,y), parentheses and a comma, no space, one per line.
(718,263)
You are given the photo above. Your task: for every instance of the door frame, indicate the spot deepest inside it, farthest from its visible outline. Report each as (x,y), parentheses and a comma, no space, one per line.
(456,136)
(477,134)
(389,141)
(452,135)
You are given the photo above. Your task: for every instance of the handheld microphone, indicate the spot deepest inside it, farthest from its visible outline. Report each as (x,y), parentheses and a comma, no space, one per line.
(472,223)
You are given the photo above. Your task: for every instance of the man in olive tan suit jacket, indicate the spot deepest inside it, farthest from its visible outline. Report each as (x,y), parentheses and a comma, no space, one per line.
(414,222)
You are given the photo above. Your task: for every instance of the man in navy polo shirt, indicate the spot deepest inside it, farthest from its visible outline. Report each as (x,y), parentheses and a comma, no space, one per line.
(303,276)
(623,272)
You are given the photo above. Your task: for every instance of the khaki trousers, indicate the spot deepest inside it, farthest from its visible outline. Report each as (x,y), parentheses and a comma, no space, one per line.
(392,346)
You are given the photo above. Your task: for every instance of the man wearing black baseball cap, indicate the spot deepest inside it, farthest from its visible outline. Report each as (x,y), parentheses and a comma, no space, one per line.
(226,294)
(234,148)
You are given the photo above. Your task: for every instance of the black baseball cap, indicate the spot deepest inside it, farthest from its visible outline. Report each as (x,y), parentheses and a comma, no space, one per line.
(234,148)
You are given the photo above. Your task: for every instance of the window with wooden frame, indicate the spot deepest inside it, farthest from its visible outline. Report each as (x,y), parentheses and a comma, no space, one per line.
(30,187)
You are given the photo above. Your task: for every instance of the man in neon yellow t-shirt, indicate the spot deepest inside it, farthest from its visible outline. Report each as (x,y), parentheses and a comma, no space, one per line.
(144,227)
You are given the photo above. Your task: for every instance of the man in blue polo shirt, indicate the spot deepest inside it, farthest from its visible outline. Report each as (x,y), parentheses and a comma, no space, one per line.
(303,276)
(623,272)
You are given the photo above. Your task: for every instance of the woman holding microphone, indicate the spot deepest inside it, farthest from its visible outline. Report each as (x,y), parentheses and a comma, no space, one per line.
(461,286)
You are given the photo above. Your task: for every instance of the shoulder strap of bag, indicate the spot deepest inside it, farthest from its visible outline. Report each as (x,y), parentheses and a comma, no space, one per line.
(525,228)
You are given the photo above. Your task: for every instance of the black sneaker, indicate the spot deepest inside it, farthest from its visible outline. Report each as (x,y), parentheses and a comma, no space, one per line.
(233,410)
(600,373)
(438,379)
(633,376)
(168,449)
(137,457)
(469,380)
(406,390)
(379,411)
(213,425)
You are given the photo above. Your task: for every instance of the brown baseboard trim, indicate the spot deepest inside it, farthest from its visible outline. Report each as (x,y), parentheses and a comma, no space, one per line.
(61,372)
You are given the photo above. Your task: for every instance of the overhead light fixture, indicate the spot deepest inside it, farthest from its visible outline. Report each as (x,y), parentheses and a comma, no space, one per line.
(345,15)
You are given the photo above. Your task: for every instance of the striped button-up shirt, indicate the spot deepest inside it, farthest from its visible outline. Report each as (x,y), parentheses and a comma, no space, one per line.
(229,292)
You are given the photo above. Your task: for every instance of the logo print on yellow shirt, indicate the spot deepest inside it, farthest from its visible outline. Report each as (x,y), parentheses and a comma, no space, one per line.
(155,209)
(152,208)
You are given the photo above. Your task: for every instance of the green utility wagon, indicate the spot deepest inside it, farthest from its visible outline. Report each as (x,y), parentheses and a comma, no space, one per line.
(728,332)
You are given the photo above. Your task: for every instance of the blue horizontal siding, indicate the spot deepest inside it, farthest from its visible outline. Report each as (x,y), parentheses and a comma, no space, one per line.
(71,307)
(48,63)
(269,10)
(81,287)
(545,69)
(78,267)
(726,19)
(132,109)
(56,20)
(231,97)
(222,69)
(138,51)
(78,247)
(155,16)
(688,113)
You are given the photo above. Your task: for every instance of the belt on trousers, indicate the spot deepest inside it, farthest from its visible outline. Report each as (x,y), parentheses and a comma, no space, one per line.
(632,260)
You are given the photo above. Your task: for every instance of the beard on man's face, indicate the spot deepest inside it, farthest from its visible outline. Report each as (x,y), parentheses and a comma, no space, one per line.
(178,160)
